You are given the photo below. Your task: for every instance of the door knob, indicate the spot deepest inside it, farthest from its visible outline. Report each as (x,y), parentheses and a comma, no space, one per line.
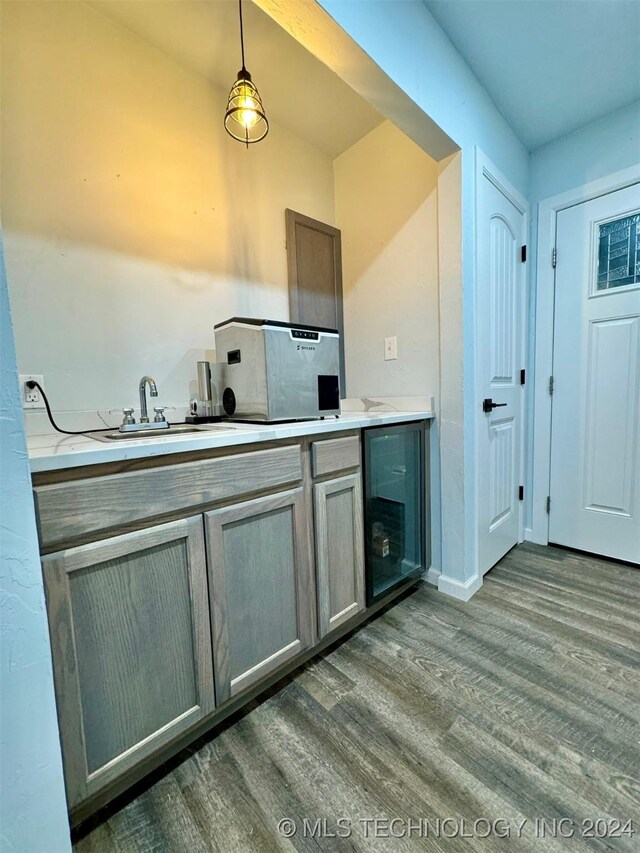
(488,405)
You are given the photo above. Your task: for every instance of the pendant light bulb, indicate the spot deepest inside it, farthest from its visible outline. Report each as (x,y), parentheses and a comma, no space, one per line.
(245,119)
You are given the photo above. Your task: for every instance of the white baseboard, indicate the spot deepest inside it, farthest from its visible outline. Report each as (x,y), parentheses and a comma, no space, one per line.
(463,591)
(432,576)
(528,534)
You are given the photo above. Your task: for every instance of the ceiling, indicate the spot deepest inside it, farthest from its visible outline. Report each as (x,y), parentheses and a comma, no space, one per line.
(550,66)
(297,90)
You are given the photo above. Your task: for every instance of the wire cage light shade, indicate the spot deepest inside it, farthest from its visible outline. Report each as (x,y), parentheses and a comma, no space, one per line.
(245,119)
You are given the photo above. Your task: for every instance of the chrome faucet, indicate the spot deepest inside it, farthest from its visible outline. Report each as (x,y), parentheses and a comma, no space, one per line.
(153,391)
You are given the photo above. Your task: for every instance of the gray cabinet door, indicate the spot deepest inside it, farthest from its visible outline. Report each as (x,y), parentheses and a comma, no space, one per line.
(339,550)
(314,261)
(260,585)
(131,643)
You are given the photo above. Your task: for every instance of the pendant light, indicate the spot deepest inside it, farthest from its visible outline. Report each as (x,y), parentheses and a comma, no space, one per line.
(244,119)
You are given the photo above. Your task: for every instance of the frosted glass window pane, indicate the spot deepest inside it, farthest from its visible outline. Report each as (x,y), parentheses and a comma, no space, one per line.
(619,252)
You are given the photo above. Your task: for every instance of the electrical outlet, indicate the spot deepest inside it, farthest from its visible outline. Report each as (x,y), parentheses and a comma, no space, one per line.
(31,397)
(390,348)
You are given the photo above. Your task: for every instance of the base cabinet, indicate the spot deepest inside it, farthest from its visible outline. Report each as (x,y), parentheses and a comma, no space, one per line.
(339,550)
(159,632)
(260,584)
(131,647)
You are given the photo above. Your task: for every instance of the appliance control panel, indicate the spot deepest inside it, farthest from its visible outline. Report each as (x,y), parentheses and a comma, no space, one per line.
(305,335)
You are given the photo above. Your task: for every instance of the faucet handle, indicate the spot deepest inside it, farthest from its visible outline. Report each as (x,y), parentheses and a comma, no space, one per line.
(128,416)
(159,416)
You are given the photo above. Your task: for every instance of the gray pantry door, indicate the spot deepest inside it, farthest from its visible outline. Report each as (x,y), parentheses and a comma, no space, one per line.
(314,257)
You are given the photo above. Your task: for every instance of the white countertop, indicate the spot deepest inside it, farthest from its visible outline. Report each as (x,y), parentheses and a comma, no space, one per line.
(55,451)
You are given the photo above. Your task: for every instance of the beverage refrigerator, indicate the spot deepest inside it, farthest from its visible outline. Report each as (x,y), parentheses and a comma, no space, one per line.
(395,506)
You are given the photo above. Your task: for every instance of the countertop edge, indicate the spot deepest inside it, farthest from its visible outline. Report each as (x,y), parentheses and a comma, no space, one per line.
(58,452)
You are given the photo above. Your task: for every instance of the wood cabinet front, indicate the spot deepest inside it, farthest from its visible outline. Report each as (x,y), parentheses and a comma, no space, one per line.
(339,550)
(131,643)
(260,585)
(333,455)
(98,505)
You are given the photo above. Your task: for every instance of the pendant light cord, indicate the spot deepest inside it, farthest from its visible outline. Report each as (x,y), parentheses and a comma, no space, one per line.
(241,34)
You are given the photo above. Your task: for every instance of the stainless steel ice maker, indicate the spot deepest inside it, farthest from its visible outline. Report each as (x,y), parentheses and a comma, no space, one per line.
(275,371)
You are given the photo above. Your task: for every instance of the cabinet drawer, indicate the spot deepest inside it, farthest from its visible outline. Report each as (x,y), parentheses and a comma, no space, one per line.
(335,454)
(116,501)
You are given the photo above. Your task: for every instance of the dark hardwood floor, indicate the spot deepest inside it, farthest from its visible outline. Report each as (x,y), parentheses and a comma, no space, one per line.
(523,703)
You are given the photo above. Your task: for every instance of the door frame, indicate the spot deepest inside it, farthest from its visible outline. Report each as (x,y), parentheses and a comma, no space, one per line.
(485,168)
(548,210)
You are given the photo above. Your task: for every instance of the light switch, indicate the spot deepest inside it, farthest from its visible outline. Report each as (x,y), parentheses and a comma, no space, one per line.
(390,348)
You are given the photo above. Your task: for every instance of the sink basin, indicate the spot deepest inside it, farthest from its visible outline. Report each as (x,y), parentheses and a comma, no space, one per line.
(116,435)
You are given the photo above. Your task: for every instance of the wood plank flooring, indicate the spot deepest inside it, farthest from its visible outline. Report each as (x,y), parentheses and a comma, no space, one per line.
(522,704)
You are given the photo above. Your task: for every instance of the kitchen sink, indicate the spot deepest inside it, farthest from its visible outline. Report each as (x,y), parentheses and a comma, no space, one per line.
(179,429)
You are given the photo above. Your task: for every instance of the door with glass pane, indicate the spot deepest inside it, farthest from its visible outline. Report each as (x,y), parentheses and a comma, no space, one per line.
(595,445)
(395,513)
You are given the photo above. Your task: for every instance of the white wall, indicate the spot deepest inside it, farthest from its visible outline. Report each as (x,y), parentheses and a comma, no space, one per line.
(605,146)
(405,40)
(387,197)
(133,223)
(33,814)
(386,209)
(595,151)
(449,429)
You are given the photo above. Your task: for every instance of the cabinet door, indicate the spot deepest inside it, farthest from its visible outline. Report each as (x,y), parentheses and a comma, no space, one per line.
(339,550)
(131,643)
(260,578)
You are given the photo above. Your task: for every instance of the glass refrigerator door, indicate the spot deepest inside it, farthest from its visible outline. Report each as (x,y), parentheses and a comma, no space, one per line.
(394,506)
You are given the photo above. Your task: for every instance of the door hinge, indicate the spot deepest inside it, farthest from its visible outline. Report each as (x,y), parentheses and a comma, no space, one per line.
(548,504)
(554,257)
(520,493)
(551,386)
(523,254)
(523,376)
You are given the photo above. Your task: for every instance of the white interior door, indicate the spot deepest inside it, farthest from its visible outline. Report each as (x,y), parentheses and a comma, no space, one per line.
(595,433)
(500,306)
